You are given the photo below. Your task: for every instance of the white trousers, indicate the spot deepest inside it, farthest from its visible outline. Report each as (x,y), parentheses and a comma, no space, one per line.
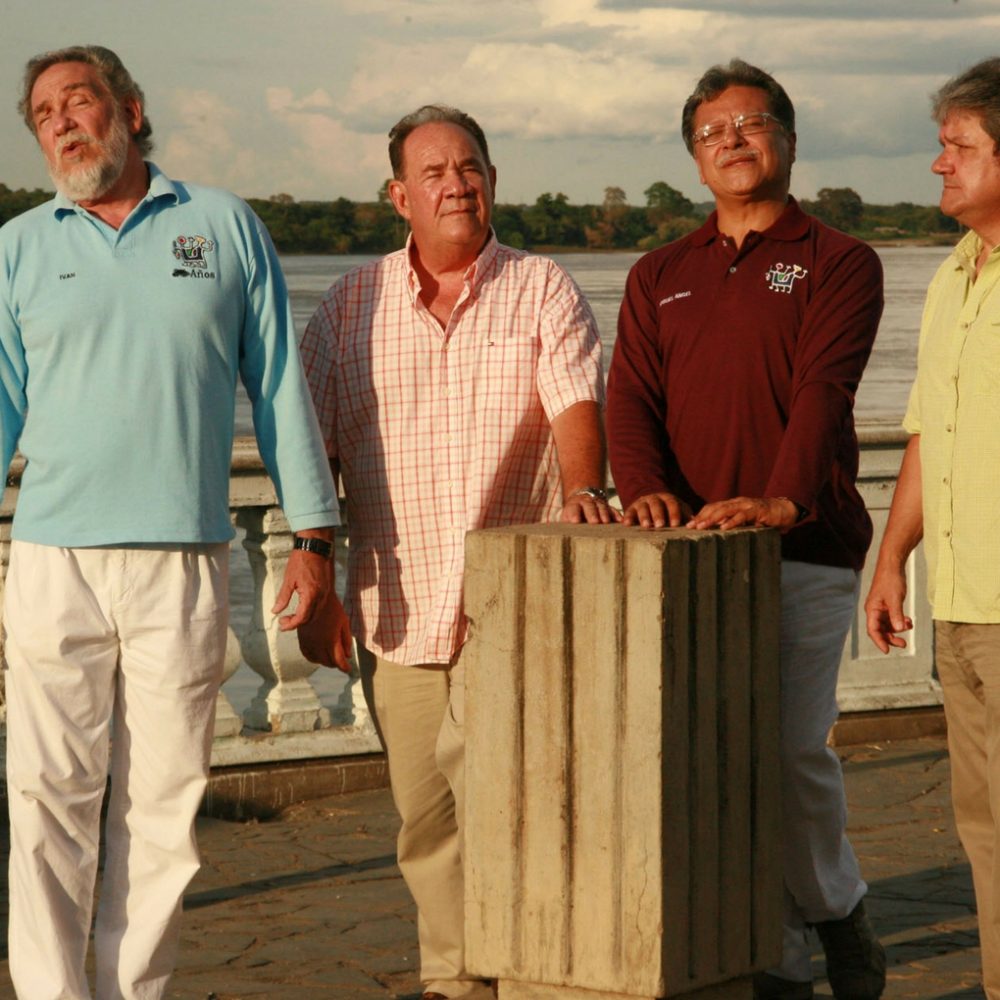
(822,878)
(100,639)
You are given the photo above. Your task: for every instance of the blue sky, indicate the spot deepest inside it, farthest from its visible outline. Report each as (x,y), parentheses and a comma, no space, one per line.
(574,95)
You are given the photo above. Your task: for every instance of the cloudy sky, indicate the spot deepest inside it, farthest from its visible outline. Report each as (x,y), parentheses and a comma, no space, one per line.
(574,95)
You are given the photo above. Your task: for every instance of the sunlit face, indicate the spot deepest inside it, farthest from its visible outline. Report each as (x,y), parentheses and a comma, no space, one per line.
(446,193)
(83,133)
(746,167)
(969,168)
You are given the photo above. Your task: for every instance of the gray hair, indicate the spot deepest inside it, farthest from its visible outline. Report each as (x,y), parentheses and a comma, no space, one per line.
(115,76)
(423,116)
(976,90)
(737,74)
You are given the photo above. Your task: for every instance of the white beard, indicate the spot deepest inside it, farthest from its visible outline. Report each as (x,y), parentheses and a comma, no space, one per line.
(85,182)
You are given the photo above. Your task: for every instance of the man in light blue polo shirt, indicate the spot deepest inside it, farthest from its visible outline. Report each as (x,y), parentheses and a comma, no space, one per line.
(129,306)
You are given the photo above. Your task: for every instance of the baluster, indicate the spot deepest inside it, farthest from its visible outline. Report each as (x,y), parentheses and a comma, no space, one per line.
(286,701)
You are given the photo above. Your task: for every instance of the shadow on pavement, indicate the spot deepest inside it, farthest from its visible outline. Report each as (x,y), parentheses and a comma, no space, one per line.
(197,900)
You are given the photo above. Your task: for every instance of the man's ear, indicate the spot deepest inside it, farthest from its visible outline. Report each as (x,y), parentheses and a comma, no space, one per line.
(133,114)
(398,197)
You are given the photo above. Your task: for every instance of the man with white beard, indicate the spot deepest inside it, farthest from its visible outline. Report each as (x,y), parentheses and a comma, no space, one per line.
(129,305)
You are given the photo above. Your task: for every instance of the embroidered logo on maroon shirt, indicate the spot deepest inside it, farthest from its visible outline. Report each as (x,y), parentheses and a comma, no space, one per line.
(782,277)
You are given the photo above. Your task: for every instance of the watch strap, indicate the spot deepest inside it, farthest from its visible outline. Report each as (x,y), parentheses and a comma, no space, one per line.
(317,546)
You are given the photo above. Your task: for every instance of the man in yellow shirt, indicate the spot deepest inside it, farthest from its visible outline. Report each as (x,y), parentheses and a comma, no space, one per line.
(950,481)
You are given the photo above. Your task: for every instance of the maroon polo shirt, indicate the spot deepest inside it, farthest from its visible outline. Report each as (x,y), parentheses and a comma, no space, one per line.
(734,374)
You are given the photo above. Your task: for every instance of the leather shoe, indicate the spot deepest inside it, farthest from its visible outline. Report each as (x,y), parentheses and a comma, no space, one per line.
(855,960)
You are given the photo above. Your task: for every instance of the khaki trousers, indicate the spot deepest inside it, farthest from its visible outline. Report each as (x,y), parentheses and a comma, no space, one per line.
(420,713)
(968,663)
(129,639)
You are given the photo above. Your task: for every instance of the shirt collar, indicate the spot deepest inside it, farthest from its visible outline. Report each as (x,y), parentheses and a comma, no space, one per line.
(475,274)
(791,225)
(160,186)
(967,252)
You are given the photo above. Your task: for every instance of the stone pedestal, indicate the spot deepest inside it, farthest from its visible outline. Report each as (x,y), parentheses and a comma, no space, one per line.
(623,814)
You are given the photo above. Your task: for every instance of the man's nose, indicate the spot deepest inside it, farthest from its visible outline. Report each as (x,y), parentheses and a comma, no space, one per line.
(458,183)
(732,138)
(62,123)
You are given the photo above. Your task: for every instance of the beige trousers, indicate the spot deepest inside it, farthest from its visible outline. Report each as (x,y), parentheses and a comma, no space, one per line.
(100,639)
(420,715)
(968,663)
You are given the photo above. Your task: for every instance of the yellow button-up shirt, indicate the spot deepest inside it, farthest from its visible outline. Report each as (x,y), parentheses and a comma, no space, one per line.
(955,408)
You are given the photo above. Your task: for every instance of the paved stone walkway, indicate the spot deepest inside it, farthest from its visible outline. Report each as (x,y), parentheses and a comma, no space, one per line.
(311,905)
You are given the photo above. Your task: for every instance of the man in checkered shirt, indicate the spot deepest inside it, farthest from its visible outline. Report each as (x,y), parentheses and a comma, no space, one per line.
(458,386)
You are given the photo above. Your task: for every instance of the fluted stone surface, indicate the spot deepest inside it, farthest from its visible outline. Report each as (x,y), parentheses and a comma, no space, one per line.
(622,714)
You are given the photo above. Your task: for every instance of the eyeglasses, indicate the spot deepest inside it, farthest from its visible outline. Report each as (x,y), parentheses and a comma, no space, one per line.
(746,124)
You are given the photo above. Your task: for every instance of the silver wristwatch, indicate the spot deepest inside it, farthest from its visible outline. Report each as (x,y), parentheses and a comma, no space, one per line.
(594,492)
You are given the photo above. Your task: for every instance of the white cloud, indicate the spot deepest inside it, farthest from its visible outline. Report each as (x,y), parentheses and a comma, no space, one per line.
(580,93)
(281,99)
(544,91)
(200,140)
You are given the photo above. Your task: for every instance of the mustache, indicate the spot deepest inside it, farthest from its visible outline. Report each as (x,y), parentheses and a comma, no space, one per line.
(736,156)
(79,138)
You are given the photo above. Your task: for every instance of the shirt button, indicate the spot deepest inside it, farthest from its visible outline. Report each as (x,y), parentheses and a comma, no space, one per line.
(945,480)
(947,427)
(946,533)
(732,270)
(963,325)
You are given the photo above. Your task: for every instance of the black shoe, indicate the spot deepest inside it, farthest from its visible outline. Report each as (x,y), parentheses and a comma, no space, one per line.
(768,987)
(855,960)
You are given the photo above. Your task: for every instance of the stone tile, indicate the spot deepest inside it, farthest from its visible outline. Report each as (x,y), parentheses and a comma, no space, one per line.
(311,904)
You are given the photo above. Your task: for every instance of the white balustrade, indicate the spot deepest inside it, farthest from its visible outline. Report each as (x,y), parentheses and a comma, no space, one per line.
(287,721)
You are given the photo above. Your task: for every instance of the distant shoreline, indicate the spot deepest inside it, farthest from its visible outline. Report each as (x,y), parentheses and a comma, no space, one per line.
(943,240)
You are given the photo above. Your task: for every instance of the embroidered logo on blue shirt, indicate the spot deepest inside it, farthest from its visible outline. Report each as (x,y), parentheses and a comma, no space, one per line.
(191,251)
(782,277)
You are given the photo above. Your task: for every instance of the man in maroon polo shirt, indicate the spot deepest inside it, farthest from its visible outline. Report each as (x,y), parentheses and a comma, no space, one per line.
(730,399)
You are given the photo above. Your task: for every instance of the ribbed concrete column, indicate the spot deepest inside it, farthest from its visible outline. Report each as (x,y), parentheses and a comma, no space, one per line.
(622,770)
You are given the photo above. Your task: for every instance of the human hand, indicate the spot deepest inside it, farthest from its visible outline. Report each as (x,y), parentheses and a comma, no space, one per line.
(326,637)
(884,616)
(739,512)
(657,510)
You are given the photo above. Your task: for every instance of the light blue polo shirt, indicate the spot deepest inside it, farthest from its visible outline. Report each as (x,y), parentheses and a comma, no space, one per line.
(119,354)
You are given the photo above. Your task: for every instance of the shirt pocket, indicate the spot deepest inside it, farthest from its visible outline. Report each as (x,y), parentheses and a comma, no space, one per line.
(506,379)
(982,360)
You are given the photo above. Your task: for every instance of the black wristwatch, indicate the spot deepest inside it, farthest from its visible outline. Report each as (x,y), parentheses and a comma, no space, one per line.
(317,546)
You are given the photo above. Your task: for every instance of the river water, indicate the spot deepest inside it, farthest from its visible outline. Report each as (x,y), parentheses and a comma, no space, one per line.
(601,276)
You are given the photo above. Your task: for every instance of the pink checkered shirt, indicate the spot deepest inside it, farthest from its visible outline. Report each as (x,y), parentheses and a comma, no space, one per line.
(438,432)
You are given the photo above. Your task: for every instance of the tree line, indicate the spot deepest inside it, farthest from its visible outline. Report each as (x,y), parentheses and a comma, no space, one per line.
(552,222)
